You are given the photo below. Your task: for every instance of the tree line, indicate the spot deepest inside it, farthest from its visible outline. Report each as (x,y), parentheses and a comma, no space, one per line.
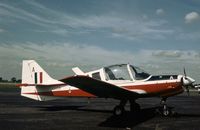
(12,80)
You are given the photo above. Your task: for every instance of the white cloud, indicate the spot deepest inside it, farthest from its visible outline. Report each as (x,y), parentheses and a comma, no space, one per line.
(59,58)
(73,54)
(61,55)
(160,12)
(55,59)
(191,17)
(174,53)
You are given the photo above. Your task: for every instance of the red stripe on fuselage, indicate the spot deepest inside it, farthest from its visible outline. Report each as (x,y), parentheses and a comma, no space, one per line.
(45,85)
(64,93)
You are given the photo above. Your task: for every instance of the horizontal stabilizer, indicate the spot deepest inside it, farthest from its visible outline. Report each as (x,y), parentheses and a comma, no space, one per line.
(78,71)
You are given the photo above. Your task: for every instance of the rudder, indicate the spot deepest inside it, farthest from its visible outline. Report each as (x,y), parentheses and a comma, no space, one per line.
(32,73)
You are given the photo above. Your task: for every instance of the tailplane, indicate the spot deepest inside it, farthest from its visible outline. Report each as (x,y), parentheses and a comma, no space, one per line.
(78,71)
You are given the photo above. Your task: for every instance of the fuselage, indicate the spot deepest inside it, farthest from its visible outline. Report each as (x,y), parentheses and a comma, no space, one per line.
(125,76)
(162,88)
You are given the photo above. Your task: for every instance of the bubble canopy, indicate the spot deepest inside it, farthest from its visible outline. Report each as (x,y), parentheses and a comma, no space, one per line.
(125,72)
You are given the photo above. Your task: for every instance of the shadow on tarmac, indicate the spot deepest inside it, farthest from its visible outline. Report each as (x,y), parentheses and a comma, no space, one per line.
(187,115)
(58,108)
(76,108)
(129,119)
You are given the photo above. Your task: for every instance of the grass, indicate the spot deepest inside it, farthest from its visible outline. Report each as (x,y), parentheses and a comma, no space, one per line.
(8,87)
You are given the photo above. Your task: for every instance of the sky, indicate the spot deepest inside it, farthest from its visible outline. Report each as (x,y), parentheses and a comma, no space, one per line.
(161,36)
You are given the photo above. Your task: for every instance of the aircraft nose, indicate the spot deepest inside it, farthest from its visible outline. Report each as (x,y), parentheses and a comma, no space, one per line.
(188,80)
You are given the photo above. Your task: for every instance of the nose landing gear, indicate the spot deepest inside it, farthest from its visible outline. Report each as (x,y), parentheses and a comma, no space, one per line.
(164,110)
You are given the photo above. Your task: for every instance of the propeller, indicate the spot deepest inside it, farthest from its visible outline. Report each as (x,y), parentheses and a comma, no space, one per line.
(187,82)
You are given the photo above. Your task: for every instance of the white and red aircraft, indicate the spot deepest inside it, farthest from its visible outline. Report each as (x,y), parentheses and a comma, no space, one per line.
(123,82)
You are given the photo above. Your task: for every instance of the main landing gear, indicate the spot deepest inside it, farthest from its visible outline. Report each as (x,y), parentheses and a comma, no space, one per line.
(119,109)
(164,110)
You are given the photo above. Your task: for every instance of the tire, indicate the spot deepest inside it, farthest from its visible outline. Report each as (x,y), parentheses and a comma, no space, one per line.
(118,110)
(166,111)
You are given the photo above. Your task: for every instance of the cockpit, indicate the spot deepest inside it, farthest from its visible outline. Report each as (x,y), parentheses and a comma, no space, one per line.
(125,72)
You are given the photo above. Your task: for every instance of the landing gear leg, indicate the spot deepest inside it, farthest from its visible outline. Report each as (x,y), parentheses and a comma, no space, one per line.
(165,111)
(119,109)
(134,107)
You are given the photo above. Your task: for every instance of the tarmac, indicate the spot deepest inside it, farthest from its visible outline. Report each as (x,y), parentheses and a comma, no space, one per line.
(19,113)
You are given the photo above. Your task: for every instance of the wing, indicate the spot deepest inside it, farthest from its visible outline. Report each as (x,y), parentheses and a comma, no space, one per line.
(99,88)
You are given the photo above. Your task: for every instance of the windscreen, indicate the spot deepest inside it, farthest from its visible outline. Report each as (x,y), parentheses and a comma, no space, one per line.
(138,74)
(117,72)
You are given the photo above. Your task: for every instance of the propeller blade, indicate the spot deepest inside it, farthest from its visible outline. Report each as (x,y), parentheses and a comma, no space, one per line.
(185,86)
(182,82)
(184,72)
(185,75)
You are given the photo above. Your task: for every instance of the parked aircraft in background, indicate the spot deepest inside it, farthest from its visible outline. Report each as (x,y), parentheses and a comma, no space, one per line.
(123,82)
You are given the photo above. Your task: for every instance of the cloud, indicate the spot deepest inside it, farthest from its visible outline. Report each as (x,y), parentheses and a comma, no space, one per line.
(63,52)
(169,54)
(2,30)
(191,17)
(160,12)
(189,36)
(62,23)
(170,62)
(138,29)
(58,58)
(173,56)
(73,54)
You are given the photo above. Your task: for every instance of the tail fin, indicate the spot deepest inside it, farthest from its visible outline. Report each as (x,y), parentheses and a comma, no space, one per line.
(33,75)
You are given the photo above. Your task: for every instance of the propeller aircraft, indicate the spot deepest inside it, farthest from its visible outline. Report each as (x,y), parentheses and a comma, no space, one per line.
(123,82)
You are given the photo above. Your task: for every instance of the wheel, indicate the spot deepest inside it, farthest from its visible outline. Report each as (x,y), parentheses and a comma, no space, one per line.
(118,110)
(135,107)
(166,111)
